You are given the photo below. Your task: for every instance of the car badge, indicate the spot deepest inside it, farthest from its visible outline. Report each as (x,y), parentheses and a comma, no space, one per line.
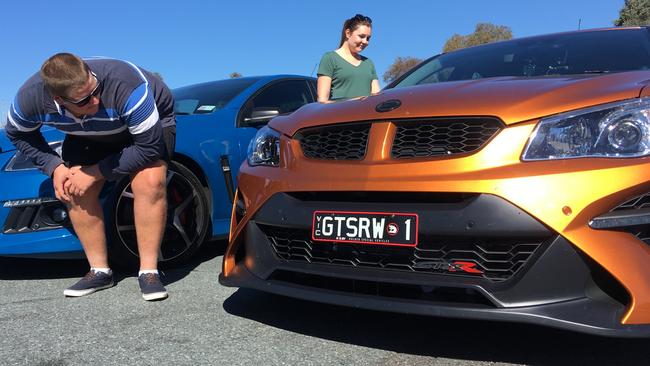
(388,105)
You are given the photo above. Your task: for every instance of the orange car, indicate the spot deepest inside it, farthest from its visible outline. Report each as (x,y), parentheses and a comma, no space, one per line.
(508,181)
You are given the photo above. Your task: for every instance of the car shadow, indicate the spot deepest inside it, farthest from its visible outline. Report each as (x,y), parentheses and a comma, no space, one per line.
(208,251)
(12,268)
(437,337)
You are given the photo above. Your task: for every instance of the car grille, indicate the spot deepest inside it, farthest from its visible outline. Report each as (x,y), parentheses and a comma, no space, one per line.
(413,138)
(343,142)
(637,203)
(436,137)
(493,259)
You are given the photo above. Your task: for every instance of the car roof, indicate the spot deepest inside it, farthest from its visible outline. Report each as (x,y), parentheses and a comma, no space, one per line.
(254,79)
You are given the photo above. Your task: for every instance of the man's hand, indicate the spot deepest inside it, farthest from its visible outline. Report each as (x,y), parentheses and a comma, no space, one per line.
(81,178)
(59,177)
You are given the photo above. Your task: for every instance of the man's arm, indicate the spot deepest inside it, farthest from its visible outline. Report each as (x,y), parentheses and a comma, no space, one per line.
(26,136)
(141,116)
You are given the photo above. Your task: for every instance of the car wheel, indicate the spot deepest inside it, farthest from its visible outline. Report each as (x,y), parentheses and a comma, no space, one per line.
(186,226)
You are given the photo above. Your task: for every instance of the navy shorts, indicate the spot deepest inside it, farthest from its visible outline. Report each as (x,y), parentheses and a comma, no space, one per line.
(80,150)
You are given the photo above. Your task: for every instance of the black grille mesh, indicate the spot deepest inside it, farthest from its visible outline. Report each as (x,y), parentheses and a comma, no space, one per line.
(436,137)
(637,203)
(343,142)
(498,261)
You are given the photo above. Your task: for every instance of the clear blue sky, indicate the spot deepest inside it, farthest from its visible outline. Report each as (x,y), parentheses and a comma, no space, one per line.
(192,41)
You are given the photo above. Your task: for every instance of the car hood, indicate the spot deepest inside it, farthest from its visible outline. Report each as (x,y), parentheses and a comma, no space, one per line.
(512,99)
(5,144)
(50,134)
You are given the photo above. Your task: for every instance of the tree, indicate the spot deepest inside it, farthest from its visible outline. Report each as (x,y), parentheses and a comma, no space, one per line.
(234,75)
(483,33)
(634,13)
(400,66)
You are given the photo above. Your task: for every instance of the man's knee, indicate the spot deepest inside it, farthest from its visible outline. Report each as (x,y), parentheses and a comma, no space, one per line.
(150,182)
(86,200)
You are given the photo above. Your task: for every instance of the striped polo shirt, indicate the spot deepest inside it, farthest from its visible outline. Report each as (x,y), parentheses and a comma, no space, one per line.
(133,101)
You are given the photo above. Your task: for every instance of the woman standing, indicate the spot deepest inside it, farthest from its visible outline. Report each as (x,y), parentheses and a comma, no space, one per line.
(344,73)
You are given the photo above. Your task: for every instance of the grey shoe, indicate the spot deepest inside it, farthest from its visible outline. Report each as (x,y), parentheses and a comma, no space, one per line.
(91,282)
(151,287)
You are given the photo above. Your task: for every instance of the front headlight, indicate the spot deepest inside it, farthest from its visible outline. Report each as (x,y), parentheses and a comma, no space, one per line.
(20,161)
(264,148)
(614,130)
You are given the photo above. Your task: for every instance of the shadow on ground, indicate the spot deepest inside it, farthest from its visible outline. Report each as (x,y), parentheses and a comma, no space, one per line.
(38,269)
(437,337)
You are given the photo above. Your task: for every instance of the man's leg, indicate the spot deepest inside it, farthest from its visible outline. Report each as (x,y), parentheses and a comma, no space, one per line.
(149,187)
(150,211)
(87,219)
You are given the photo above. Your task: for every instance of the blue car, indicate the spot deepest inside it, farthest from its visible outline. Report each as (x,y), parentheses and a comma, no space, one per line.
(215,122)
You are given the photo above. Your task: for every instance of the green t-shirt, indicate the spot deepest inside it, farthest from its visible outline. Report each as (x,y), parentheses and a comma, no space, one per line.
(348,81)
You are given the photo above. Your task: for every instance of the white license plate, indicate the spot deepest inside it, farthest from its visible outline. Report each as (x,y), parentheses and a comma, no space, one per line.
(382,228)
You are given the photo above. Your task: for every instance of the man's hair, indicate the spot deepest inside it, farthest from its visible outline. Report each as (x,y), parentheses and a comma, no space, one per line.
(352,24)
(63,73)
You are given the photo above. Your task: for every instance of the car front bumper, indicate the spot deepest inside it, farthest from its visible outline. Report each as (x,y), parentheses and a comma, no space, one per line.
(30,227)
(530,273)
(563,197)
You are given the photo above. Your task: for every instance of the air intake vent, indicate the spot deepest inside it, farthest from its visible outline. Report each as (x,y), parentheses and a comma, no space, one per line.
(495,259)
(637,204)
(442,137)
(341,142)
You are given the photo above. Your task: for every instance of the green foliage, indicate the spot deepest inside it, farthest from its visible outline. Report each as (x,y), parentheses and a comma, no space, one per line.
(235,75)
(634,13)
(483,33)
(399,67)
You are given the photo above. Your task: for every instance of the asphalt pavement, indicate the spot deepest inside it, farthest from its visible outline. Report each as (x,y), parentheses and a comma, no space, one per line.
(203,323)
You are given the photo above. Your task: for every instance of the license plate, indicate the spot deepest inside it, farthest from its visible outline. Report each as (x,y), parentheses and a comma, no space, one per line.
(383,228)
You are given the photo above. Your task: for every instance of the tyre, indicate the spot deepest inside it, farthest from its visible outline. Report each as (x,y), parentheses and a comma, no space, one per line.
(186,226)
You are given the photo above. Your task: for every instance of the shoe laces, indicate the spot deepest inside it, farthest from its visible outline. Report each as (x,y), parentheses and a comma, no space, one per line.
(90,275)
(150,278)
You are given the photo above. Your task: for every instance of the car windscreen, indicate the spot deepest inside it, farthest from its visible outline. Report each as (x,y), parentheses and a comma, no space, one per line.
(576,53)
(208,97)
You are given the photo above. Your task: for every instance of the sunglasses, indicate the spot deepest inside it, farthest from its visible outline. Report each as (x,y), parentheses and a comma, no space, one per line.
(85,100)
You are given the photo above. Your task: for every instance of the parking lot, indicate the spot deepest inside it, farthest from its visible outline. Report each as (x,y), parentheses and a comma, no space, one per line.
(205,323)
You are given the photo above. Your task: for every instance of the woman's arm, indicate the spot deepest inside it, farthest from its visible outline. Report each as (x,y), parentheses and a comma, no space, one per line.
(374,86)
(324,86)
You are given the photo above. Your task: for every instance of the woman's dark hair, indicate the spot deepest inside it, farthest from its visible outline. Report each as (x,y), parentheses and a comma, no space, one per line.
(353,23)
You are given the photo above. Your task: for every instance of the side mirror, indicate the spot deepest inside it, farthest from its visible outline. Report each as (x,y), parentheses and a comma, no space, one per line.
(261,115)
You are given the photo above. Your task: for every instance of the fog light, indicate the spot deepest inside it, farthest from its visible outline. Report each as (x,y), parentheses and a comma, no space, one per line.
(59,215)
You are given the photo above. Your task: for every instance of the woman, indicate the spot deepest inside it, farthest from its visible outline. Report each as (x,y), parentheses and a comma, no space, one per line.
(344,73)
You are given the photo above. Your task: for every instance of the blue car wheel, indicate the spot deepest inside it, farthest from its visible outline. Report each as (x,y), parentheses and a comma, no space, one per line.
(186,227)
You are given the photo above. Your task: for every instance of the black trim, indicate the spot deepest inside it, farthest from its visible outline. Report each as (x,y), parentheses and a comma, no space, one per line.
(558,286)
(621,219)
(560,295)
(227,176)
(38,217)
(472,215)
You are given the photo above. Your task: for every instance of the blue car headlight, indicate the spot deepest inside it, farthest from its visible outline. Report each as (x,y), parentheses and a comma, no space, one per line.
(21,162)
(614,130)
(264,148)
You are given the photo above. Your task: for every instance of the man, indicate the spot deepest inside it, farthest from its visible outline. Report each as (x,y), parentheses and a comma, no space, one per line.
(118,120)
